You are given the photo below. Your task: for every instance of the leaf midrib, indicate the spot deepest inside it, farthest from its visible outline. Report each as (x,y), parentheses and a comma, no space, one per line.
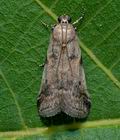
(47,130)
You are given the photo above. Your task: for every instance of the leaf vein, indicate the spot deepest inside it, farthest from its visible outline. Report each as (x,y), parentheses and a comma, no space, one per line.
(100,64)
(47,10)
(22,36)
(114,64)
(47,130)
(15,100)
(98,11)
(108,34)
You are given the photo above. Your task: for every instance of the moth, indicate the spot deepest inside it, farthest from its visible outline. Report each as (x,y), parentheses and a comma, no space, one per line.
(63,87)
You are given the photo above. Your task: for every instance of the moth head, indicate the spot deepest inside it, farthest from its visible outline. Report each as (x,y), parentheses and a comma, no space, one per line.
(64,19)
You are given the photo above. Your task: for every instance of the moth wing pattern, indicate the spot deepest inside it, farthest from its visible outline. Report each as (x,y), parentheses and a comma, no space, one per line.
(75,97)
(63,87)
(48,101)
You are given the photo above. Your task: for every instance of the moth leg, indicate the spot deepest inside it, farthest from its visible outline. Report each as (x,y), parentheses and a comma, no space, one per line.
(47,25)
(43,64)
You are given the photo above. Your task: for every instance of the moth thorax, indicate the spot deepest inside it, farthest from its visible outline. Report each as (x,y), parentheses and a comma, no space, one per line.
(63,45)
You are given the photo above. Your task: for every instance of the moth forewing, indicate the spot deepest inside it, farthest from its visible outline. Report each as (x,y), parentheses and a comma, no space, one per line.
(48,96)
(63,86)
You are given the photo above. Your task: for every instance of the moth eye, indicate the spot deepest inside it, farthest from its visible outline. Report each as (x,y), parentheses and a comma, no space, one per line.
(52,28)
(64,22)
(69,20)
(59,19)
(79,82)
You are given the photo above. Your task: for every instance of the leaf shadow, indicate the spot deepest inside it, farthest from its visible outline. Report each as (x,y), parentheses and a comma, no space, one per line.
(62,119)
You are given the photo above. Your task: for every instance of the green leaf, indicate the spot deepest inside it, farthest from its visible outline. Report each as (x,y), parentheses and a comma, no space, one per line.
(23,46)
(87,134)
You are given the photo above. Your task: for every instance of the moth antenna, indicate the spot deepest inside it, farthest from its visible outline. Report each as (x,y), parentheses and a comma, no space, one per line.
(45,24)
(79,19)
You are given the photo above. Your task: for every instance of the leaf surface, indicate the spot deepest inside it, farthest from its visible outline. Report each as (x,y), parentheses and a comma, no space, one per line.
(23,46)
